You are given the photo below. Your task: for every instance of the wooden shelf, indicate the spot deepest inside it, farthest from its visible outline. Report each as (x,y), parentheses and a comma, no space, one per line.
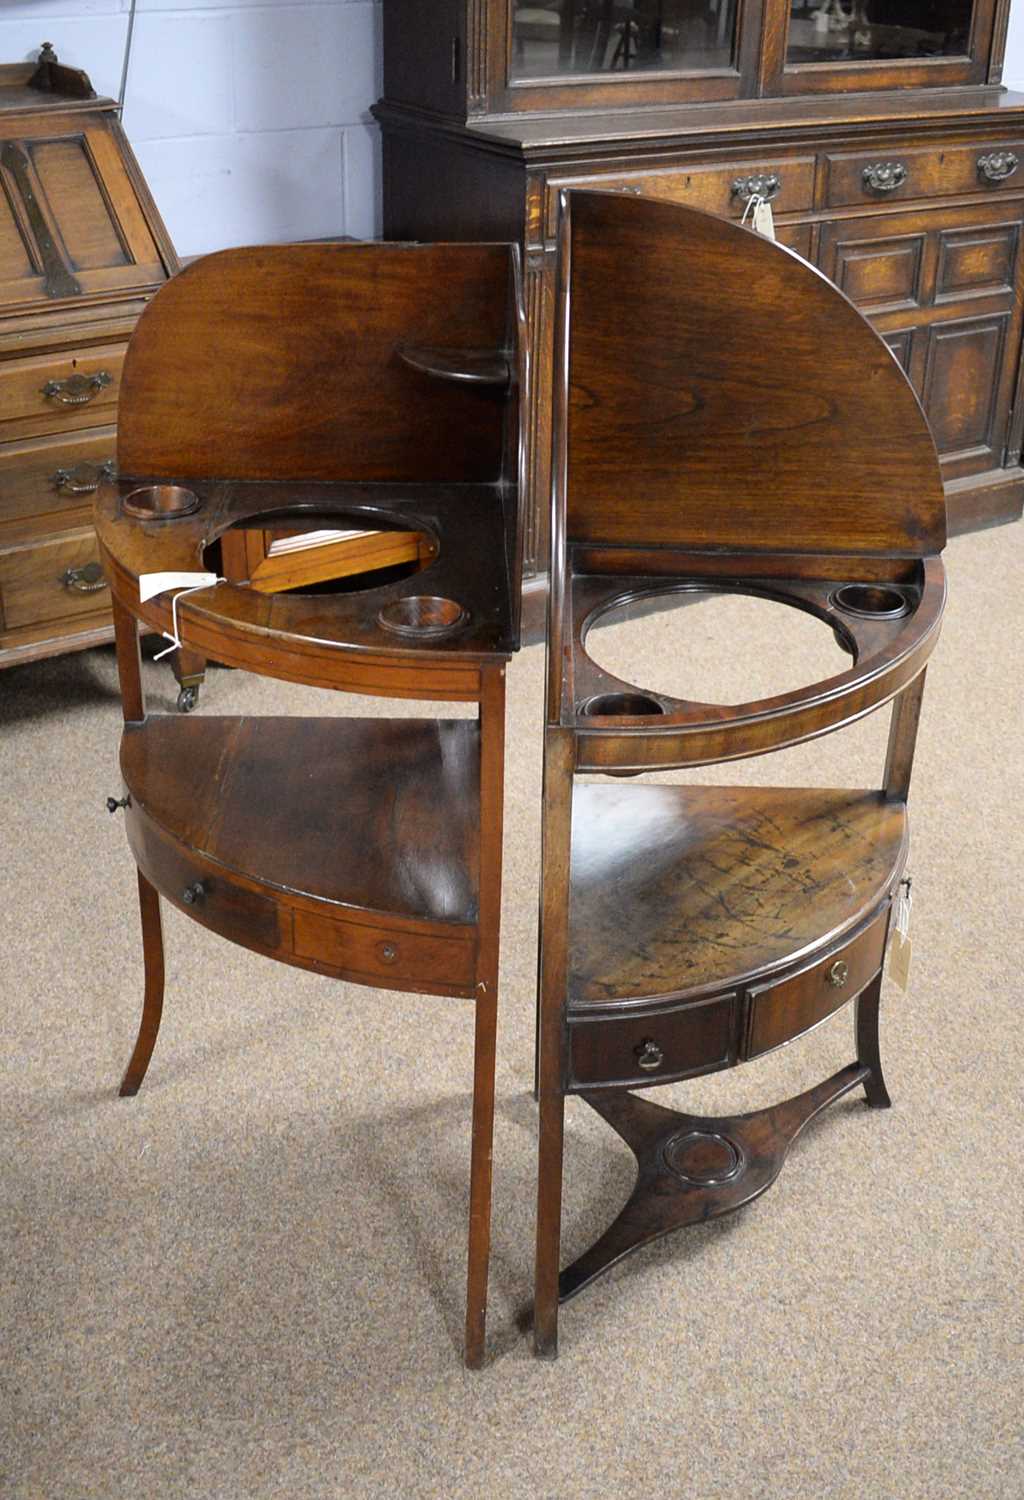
(677,889)
(374,815)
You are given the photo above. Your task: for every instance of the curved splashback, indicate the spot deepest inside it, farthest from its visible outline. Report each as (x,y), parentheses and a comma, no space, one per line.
(721,393)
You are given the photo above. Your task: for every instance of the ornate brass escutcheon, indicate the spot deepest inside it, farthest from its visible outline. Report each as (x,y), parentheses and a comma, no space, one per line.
(84,478)
(884,176)
(87,579)
(77,390)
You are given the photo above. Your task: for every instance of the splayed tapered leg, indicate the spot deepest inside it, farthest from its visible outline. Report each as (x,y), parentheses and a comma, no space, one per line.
(153,998)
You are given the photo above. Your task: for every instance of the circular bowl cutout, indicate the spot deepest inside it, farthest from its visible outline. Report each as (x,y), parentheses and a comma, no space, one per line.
(158,502)
(624,705)
(422,615)
(871,601)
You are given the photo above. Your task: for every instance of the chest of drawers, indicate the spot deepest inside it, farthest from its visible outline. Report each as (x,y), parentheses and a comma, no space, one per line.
(82,249)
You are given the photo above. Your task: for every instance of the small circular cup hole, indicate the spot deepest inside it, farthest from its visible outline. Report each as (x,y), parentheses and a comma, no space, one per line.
(625,705)
(422,615)
(872,601)
(160,501)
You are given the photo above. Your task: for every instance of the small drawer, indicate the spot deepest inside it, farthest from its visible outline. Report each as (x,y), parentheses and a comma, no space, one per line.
(51,392)
(788,182)
(52,580)
(886,175)
(51,475)
(784,1010)
(402,958)
(640,1050)
(211,897)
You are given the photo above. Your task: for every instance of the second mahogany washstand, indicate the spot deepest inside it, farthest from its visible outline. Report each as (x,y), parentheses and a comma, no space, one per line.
(725,421)
(303,388)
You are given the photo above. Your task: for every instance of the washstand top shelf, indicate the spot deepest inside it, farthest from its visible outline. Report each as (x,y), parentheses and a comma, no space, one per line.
(355,387)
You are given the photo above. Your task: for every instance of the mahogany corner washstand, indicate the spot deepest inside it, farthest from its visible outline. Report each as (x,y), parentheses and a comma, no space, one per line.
(305,387)
(725,421)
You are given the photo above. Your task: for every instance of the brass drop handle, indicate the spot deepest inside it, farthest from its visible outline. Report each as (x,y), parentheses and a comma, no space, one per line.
(88,579)
(84,478)
(649,1056)
(194,893)
(884,176)
(997,166)
(77,390)
(838,974)
(766,185)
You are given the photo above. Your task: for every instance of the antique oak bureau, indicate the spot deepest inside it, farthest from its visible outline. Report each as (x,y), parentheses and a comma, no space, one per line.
(372,387)
(713,442)
(82,249)
(893,158)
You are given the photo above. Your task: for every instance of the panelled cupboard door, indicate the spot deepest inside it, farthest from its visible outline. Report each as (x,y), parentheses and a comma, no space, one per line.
(943,288)
(70,223)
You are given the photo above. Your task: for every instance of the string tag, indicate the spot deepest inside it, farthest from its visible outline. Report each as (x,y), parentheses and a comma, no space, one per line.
(153,584)
(900,948)
(759,211)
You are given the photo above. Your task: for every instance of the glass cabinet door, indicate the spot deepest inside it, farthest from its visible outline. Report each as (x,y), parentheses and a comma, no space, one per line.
(565,39)
(862,44)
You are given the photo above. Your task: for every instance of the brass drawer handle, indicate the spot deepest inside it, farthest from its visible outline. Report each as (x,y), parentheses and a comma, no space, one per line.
(388,952)
(649,1056)
(997,166)
(77,390)
(84,478)
(884,176)
(87,579)
(766,185)
(194,893)
(838,974)
(113,803)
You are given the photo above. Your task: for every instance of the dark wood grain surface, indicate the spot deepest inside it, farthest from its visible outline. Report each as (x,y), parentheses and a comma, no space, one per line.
(369,813)
(677,889)
(329,393)
(707,407)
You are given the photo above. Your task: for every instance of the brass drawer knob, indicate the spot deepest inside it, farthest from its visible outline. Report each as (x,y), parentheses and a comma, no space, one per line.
(113,803)
(87,579)
(649,1056)
(766,185)
(194,893)
(77,390)
(997,166)
(884,176)
(388,952)
(838,974)
(84,478)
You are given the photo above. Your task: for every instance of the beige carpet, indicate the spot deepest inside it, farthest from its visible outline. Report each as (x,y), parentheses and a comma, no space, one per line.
(248,1281)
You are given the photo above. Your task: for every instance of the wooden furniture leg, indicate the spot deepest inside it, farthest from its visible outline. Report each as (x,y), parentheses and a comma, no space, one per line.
(550,1058)
(492,791)
(868,1056)
(189,670)
(153,998)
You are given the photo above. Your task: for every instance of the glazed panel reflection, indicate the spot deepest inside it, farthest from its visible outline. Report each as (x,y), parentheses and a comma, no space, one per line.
(562,38)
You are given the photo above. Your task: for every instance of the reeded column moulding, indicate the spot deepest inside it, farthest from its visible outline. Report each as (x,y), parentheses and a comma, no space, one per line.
(725,421)
(300,390)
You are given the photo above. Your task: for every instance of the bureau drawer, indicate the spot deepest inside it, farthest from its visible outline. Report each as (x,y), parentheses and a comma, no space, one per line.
(640,1050)
(723,190)
(885,175)
(401,958)
(784,1010)
(51,392)
(52,580)
(207,894)
(47,476)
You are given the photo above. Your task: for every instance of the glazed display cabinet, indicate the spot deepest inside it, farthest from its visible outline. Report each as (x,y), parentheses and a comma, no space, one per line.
(891,155)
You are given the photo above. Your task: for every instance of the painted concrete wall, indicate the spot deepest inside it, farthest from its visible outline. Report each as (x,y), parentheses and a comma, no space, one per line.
(250,117)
